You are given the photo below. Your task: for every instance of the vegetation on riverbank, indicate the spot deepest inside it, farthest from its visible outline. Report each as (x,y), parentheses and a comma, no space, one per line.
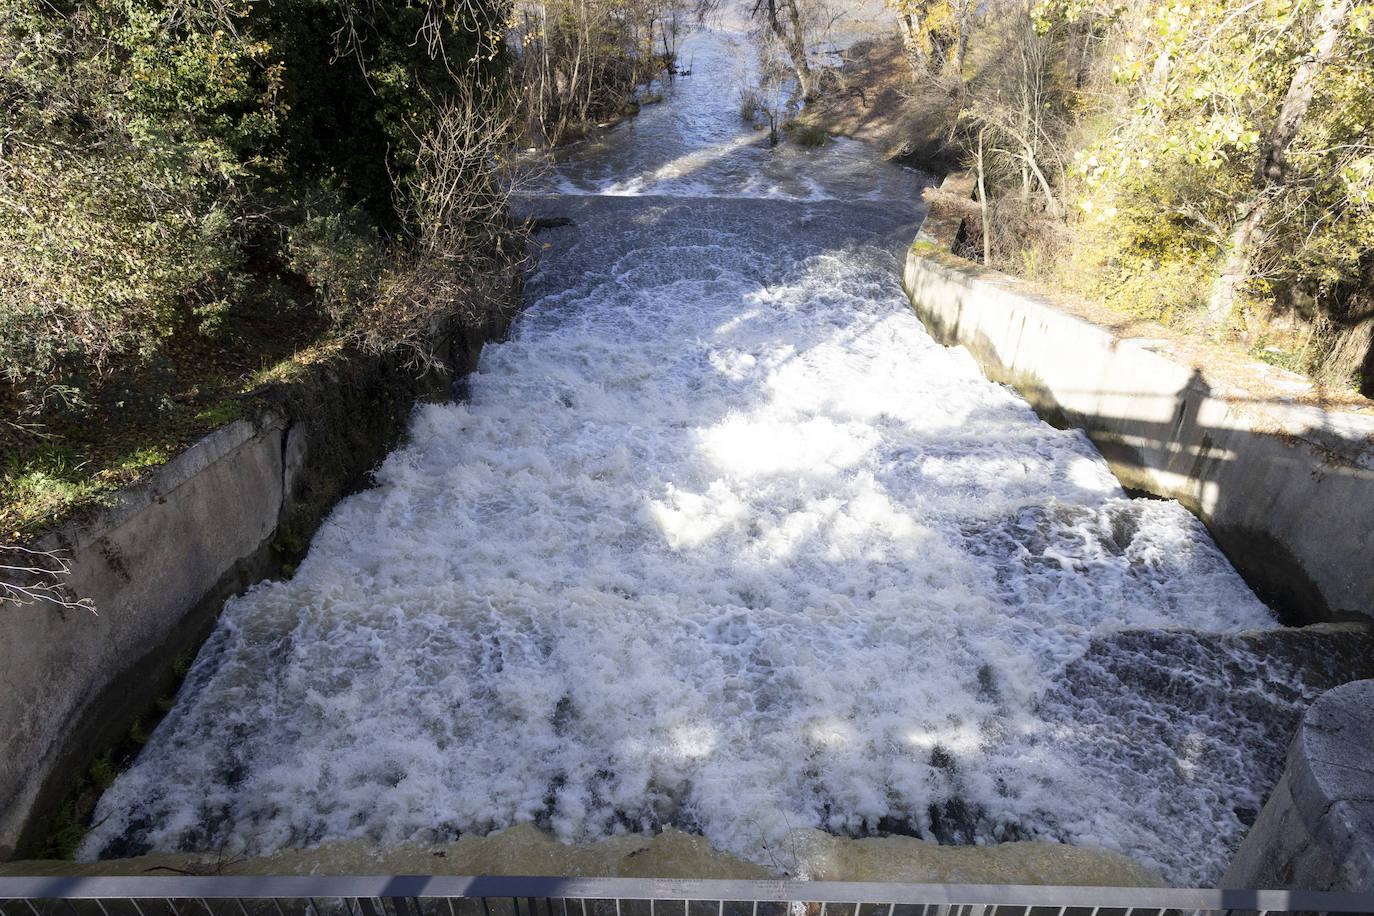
(1207,165)
(580,64)
(197,198)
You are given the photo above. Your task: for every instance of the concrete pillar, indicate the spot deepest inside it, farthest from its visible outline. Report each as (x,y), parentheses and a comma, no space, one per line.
(1316,831)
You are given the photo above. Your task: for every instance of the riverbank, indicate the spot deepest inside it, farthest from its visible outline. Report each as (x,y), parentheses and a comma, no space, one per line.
(85,686)
(1063,234)
(874,99)
(1279,470)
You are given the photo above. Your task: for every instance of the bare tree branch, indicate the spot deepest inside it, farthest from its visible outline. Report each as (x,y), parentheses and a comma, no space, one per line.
(37,577)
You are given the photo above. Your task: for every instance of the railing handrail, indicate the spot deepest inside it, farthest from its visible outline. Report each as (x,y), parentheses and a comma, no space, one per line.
(245,887)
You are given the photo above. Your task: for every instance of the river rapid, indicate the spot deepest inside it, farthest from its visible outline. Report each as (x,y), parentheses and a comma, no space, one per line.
(721,539)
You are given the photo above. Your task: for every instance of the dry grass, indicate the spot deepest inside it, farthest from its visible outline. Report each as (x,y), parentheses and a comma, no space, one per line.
(874,97)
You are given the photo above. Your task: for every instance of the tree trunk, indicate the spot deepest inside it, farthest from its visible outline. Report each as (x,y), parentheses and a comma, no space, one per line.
(1273,162)
(911,39)
(1236,266)
(793,38)
(1159,73)
(1353,356)
(1076,52)
(963,12)
(796,50)
(1272,168)
(983,204)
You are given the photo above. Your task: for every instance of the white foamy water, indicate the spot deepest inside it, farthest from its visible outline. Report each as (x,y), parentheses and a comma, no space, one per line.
(723,540)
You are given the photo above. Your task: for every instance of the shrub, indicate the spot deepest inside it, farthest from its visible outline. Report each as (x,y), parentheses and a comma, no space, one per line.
(805,134)
(172,169)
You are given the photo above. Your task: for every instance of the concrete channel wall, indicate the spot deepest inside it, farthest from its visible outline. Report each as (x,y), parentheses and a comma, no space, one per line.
(1286,489)
(237,506)
(157,565)
(1316,831)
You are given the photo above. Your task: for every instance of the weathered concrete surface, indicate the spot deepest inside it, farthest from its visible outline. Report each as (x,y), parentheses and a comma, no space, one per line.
(1285,489)
(1316,831)
(159,552)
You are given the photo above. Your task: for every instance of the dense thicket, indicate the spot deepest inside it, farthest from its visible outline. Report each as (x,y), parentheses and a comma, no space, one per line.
(1206,163)
(174,168)
(199,196)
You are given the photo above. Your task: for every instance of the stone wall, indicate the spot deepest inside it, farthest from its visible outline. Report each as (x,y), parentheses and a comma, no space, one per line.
(152,564)
(1284,487)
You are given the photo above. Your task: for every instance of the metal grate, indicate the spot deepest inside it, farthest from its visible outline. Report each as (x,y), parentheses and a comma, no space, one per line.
(552,896)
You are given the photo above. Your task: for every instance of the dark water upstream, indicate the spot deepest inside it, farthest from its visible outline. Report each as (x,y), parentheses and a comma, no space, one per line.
(723,540)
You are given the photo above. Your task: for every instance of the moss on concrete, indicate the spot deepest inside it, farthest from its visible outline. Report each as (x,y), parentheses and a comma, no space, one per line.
(525,850)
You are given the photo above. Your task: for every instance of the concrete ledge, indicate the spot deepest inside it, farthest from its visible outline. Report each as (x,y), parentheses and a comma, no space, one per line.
(1316,831)
(1285,489)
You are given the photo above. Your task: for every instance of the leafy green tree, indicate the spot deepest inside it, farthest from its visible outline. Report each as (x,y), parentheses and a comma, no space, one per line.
(1272,166)
(1239,158)
(157,157)
(120,193)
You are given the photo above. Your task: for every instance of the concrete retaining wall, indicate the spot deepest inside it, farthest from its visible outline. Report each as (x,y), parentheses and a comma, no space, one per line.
(157,565)
(229,511)
(1286,490)
(1316,831)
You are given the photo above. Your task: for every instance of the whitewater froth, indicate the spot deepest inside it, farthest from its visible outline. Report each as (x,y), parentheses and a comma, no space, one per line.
(720,540)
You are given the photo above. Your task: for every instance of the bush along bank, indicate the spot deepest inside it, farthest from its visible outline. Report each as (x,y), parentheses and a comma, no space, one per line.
(1203,165)
(1199,164)
(193,193)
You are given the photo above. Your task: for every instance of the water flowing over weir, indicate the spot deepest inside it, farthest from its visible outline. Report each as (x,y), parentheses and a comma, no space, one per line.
(722,539)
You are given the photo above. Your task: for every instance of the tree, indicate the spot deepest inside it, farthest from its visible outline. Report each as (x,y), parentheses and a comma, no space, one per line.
(790,28)
(1015,127)
(935,33)
(1218,152)
(157,155)
(1271,169)
(582,60)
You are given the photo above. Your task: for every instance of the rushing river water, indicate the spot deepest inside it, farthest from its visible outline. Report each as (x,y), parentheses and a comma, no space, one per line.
(722,539)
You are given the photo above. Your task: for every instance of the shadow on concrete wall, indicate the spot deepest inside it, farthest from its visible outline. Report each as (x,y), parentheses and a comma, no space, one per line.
(1256,489)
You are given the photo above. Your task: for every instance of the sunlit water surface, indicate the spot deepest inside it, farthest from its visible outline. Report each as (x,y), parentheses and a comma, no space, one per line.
(722,539)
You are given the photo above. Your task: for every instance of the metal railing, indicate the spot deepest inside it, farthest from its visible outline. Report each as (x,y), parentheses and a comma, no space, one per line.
(551,896)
